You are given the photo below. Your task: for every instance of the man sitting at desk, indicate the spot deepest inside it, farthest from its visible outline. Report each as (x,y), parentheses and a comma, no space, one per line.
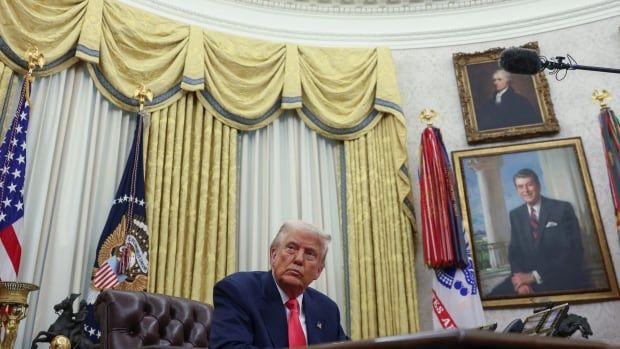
(276,309)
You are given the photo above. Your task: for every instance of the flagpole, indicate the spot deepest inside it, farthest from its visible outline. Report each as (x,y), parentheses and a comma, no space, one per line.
(141,93)
(610,132)
(14,294)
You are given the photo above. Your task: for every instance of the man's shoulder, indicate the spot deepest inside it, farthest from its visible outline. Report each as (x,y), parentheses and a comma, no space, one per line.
(517,209)
(245,277)
(318,296)
(555,203)
(549,201)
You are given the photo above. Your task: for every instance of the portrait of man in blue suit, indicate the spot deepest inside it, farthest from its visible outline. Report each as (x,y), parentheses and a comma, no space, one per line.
(276,308)
(545,250)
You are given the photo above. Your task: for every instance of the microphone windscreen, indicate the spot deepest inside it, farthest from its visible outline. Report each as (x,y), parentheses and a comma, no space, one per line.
(520,61)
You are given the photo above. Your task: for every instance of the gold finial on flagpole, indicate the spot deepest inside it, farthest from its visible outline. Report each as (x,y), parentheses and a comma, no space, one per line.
(601,97)
(35,58)
(427,115)
(141,94)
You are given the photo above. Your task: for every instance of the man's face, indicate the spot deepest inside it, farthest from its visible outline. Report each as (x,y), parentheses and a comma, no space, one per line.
(500,81)
(296,261)
(528,190)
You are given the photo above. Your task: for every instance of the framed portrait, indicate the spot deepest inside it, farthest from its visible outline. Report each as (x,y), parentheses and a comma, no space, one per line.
(497,105)
(534,225)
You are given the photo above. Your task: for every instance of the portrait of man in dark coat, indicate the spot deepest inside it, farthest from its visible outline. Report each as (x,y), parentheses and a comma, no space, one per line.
(506,107)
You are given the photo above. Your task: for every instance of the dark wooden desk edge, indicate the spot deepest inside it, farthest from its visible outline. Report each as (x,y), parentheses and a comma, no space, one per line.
(472,339)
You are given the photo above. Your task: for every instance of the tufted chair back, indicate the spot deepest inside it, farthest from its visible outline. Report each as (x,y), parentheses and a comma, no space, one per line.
(140,319)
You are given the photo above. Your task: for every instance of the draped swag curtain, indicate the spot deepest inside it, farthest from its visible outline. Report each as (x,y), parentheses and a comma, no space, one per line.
(208,85)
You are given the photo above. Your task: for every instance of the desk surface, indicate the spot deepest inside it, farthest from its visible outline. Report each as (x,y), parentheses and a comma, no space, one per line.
(470,339)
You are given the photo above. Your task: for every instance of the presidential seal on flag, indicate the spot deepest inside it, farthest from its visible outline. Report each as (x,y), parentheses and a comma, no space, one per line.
(133,248)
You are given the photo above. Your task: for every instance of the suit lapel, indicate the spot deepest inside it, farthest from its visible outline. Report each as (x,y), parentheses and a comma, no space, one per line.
(314,323)
(273,313)
(543,216)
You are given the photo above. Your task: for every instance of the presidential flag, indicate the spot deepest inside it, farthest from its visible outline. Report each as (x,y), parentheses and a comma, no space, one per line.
(610,130)
(122,252)
(12,175)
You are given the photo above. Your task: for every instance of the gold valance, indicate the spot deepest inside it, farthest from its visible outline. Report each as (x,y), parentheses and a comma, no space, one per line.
(245,83)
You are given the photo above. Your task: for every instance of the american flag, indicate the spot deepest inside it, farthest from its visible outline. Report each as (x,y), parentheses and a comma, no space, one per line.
(106,276)
(12,174)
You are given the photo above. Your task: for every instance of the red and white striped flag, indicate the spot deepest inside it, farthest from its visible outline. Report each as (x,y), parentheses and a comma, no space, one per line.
(107,276)
(12,174)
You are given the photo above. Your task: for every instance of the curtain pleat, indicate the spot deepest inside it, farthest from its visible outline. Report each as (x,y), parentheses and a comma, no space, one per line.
(287,171)
(380,239)
(191,190)
(8,80)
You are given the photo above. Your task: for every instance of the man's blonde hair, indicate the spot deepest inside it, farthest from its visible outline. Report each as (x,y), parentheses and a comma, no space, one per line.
(297,225)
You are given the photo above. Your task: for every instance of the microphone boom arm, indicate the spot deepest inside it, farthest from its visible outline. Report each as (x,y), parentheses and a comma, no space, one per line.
(560,65)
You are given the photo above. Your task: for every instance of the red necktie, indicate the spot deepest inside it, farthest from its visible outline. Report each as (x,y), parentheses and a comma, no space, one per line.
(534,223)
(296,336)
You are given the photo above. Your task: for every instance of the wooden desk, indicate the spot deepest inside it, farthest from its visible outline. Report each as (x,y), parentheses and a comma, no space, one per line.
(470,339)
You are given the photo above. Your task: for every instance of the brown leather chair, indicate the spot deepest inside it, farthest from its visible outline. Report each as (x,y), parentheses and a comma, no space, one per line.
(142,319)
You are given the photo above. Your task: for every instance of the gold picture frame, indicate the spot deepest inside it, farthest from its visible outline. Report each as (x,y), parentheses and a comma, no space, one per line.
(522,109)
(568,250)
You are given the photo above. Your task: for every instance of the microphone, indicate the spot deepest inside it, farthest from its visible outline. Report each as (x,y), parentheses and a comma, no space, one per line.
(520,61)
(526,61)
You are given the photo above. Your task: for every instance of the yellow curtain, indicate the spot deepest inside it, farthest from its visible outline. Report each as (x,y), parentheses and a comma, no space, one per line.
(244,82)
(191,191)
(380,238)
(208,85)
(8,87)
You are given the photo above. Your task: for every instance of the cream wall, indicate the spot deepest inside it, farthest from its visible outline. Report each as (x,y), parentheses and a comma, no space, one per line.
(427,80)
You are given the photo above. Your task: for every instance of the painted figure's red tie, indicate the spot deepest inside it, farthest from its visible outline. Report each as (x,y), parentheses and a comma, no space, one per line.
(296,336)
(534,223)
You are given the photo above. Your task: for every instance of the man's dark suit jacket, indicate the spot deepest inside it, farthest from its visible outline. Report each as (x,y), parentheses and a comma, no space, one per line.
(249,313)
(514,110)
(557,254)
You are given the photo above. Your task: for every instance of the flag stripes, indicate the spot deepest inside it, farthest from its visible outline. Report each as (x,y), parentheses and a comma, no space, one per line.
(12,174)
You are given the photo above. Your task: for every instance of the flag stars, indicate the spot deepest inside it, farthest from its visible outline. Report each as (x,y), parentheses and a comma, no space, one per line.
(12,187)
(5,169)
(19,206)
(14,141)
(17,173)
(23,146)
(2,216)
(18,129)
(23,115)
(7,202)
(21,159)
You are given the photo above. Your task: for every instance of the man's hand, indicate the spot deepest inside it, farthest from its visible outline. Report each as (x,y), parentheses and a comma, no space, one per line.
(525,289)
(522,279)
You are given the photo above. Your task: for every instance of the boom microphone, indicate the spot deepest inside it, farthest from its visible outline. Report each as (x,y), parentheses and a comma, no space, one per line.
(526,61)
(520,61)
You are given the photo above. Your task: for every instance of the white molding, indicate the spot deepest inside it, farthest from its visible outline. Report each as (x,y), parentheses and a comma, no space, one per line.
(443,27)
